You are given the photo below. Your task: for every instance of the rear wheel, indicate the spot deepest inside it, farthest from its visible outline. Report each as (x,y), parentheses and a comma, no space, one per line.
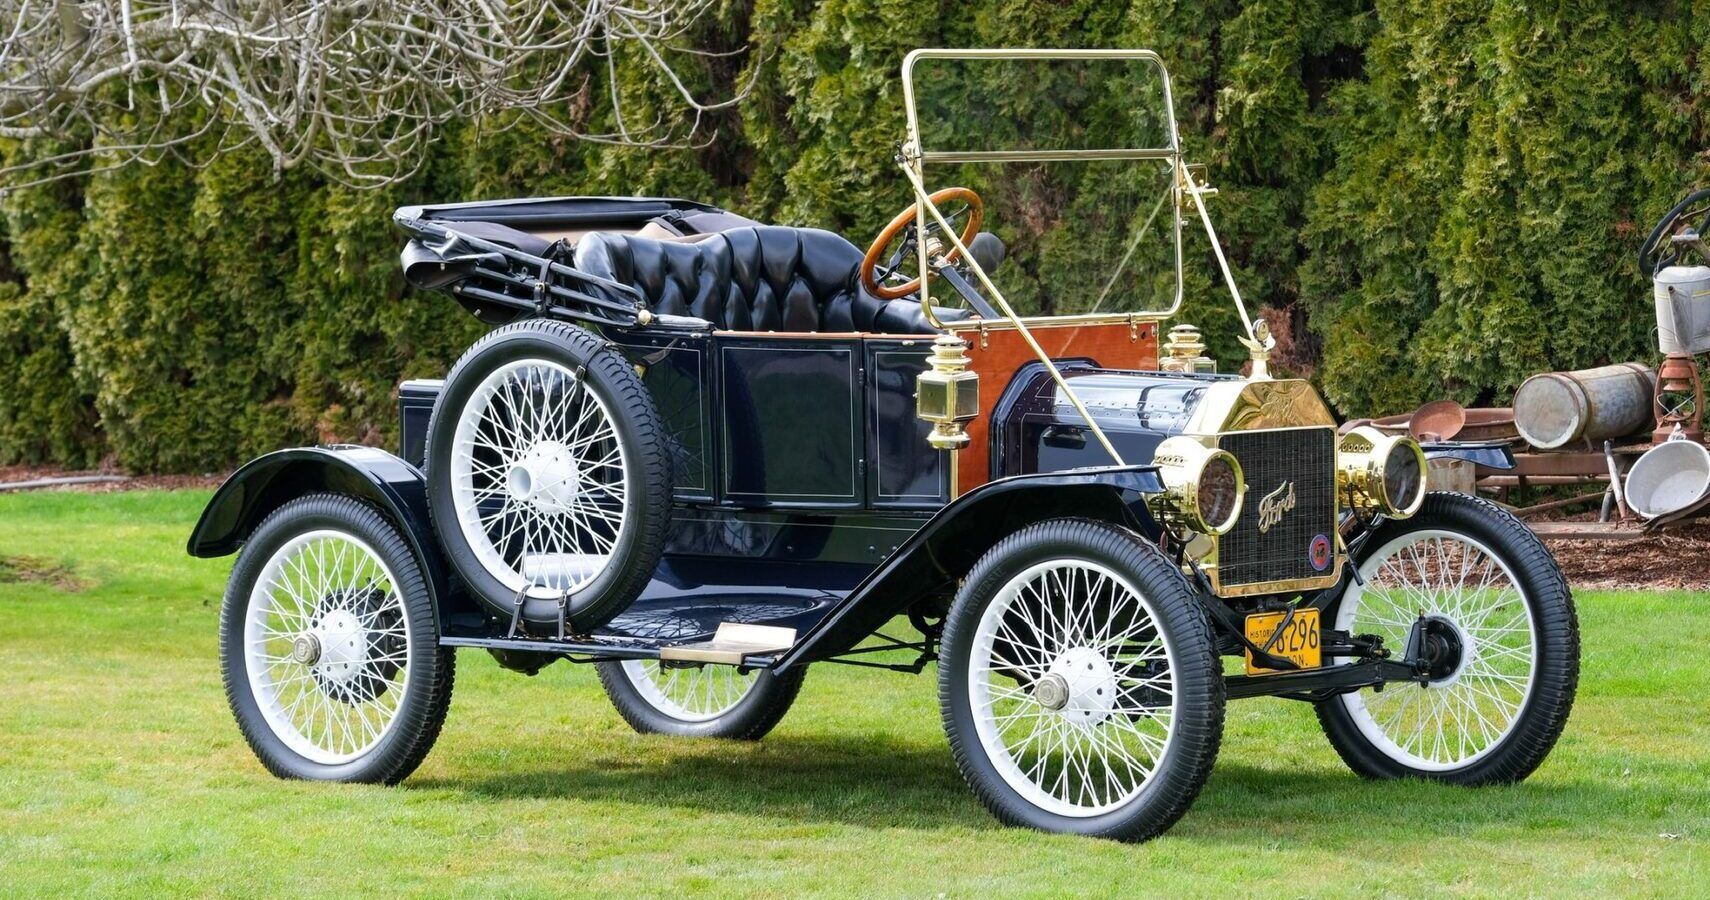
(699,699)
(329,647)
(1497,620)
(1080,687)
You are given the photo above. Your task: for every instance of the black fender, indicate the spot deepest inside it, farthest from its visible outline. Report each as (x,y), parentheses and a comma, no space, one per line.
(935,558)
(396,488)
(1487,454)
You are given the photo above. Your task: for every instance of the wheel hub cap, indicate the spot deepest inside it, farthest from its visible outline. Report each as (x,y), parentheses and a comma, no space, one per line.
(342,646)
(545,476)
(1445,646)
(1052,692)
(1089,683)
(306,649)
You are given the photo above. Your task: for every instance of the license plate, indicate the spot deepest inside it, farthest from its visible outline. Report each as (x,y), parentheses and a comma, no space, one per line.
(1298,643)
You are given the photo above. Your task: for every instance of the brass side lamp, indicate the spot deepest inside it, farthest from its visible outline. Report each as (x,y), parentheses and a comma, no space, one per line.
(947,394)
(1184,351)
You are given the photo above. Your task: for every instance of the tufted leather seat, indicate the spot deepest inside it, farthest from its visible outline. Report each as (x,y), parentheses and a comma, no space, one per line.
(765,278)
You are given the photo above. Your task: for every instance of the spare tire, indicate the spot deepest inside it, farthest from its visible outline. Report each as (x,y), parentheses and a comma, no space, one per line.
(549,479)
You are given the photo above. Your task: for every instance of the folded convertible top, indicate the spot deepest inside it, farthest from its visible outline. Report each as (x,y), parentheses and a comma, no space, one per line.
(580,213)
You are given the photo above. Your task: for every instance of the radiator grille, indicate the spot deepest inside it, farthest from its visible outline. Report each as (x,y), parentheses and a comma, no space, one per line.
(1306,459)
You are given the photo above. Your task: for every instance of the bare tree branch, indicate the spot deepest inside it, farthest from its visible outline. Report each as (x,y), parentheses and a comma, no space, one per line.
(354,89)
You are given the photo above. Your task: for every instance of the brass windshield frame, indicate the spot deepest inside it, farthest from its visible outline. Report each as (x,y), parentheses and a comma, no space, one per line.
(913,162)
(916,157)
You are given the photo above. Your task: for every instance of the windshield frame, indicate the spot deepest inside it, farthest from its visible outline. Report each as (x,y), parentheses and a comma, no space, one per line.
(915,158)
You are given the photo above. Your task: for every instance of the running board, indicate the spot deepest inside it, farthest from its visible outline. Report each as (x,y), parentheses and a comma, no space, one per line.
(588,649)
(733,643)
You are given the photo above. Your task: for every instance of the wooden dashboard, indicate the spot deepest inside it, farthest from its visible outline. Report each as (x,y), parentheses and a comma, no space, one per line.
(998,350)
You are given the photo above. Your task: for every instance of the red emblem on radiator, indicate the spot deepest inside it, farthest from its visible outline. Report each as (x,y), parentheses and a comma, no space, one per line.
(1319,553)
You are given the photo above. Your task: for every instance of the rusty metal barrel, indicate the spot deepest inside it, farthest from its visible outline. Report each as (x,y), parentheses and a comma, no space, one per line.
(1557,409)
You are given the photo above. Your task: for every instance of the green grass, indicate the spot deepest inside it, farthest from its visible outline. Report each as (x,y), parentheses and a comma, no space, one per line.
(121,771)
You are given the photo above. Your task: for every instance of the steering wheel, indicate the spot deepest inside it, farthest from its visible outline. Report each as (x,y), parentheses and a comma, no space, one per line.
(1688,220)
(873,274)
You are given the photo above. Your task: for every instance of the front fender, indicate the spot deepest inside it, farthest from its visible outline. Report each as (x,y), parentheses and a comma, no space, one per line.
(935,558)
(1488,454)
(264,484)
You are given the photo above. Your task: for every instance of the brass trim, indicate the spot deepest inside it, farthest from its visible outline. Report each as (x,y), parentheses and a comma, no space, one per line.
(923,198)
(1233,407)
(976,156)
(1184,352)
(1362,455)
(1285,586)
(955,474)
(1074,320)
(1247,405)
(915,155)
(1259,406)
(1274,505)
(947,394)
(1181,463)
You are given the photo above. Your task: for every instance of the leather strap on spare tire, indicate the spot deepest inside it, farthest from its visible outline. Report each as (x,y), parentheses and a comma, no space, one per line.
(549,477)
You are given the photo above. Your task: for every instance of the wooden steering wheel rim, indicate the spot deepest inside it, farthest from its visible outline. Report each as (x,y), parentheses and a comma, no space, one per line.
(976,213)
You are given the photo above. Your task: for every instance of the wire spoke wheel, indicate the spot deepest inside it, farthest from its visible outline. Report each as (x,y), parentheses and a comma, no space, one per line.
(537,478)
(326,646)
(1079,682)
(549,475)
(687,699)
(1072,687)
(1478,630)
(690,693)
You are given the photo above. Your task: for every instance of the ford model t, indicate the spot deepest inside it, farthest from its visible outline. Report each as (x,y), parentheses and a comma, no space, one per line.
(705,453)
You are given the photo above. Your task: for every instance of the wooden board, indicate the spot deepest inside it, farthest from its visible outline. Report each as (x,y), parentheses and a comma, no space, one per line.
(998,353)
(1586,531)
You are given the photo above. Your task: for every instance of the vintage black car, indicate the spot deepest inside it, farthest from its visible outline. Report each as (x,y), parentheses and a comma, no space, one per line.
(705,453)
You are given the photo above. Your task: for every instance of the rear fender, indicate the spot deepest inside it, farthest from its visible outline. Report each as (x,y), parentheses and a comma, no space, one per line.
(931,562)
(268,482)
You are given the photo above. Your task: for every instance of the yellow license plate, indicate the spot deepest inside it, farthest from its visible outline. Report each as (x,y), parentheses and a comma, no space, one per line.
(1299,640)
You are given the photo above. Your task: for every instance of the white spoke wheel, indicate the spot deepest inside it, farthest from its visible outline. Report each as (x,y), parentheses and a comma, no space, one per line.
(548,474)
(328,645)
(692,693)
(1080,685)
(1495,621)
(699,700)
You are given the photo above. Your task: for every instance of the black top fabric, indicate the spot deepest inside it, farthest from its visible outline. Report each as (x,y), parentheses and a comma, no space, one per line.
(764,278)
(504,234)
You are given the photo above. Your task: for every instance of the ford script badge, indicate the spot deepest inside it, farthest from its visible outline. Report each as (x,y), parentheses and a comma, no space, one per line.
(1274,505)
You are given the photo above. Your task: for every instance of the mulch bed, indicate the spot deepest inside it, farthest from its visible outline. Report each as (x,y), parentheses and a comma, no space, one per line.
(1678,558)
(11,474)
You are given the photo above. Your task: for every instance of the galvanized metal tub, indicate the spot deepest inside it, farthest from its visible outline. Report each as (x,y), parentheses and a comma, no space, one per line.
(1557,409)
(1669,477)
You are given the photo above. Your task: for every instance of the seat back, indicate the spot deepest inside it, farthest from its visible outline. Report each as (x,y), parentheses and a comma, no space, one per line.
(762,278)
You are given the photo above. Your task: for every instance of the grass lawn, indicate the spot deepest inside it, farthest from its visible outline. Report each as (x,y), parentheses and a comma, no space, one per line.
(121,771)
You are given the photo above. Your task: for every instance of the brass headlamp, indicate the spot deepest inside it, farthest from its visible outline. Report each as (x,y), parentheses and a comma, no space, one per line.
(1381,472)
(1203,486)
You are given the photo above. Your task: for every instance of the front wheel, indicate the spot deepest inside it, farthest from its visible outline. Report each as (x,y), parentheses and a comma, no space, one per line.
(1079,684)
(1494,616)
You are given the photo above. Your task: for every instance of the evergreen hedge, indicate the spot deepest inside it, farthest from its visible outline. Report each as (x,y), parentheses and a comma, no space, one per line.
(1429,197)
